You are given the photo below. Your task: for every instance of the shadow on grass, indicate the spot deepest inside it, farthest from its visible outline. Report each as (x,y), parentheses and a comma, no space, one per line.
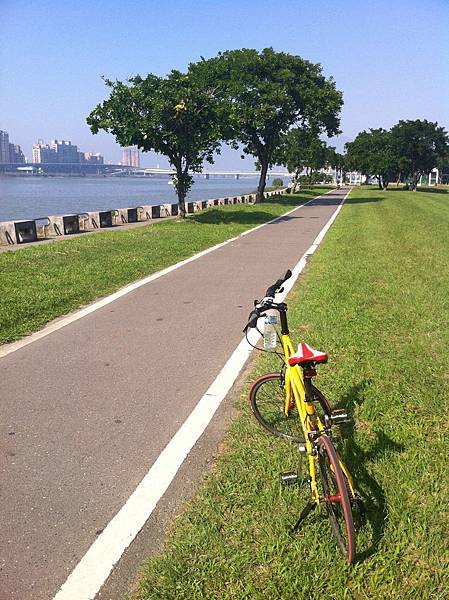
(256,216)
(215,216)
(424,189)
(358,460)
(432,190)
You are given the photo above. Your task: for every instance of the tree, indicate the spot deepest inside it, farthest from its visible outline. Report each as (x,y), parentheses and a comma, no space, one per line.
(373,154)
(421,145)
(302,150)
(175,116)
(339,162)
(264,94)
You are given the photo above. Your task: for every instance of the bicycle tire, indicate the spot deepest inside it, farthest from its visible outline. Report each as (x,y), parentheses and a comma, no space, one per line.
(267,401)
(336,498)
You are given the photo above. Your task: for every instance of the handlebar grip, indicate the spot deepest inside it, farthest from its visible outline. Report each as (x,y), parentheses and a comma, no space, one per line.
(252,319)
(273,288)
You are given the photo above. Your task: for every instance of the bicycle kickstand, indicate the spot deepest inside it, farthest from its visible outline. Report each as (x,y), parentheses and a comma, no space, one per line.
(306,511)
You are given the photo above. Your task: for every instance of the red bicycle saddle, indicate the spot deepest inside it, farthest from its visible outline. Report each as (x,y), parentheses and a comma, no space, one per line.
(306,354)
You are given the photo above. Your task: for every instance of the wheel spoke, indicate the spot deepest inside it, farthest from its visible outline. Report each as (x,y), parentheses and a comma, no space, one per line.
(267,399)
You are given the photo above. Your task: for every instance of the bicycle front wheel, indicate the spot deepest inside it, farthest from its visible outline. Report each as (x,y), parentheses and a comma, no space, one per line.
(336,498)
(267,400)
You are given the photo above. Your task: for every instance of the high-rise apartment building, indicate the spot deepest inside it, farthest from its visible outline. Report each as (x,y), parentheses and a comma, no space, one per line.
(4,147)
(59,152)
(66,152)
(43,153)
(90,158)
(63,153)
(10,153)
(15,154)
(131,156)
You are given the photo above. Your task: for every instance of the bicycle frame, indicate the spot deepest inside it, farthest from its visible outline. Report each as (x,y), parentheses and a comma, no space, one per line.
(310,420)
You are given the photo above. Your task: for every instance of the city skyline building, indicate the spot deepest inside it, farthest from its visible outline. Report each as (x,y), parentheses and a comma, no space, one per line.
(4,147)
(91,158)
(131,156)
(66,152)
(43,153)
(63,153)
(9,152)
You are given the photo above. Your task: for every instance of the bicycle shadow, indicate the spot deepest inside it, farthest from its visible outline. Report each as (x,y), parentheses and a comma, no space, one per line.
(358,459)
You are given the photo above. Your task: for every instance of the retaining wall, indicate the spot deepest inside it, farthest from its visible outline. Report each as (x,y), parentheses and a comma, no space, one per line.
(59,226)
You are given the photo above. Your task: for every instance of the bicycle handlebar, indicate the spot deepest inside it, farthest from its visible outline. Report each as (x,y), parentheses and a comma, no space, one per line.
(275,287)
(252,319)
(269,295)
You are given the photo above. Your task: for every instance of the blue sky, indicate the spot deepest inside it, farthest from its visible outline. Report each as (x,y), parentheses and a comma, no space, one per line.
(390,59)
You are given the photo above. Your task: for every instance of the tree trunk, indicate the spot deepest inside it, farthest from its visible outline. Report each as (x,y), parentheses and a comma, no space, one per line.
(415,181)
(182,206)
(180,192)
(295,182)
(262,182)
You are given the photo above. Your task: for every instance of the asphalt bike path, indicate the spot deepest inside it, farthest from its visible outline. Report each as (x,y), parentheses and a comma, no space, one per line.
(87,410)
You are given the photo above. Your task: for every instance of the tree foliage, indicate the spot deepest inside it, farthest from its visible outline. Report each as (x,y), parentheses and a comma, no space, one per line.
(410,149)
(374,155)
(175,116)
(263,94)
(302,149)
(421,145)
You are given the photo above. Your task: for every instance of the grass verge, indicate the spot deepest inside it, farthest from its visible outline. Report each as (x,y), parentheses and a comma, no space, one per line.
(375,297)
(43,282)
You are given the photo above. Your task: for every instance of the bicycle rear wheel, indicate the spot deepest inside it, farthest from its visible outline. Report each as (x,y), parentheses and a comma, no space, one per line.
(267,400)
(336,498)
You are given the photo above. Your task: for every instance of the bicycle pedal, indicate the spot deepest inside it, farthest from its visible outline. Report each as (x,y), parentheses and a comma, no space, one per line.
(338,417)
(289,478)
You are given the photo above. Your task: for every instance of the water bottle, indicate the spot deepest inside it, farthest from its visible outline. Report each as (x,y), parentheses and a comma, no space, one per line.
(269,332)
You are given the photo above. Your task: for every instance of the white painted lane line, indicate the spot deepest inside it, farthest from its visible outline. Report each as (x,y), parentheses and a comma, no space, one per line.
(63,321)
(95,567)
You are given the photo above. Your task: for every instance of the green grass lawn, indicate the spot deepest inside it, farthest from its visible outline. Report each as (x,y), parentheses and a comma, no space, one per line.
(376,298)
(43,282)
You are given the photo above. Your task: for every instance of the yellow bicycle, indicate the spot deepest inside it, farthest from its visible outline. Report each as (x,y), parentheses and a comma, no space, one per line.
(288,405)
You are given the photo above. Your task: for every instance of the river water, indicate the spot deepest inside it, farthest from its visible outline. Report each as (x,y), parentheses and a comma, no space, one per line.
(30,197)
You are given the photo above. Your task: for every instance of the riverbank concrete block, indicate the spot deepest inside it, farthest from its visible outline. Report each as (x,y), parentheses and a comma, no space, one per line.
(127,215)
(7,233)
(165,210)
(108,218)
(145,212)
(59,225)
(90,221)
(193,207)
(17,232)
